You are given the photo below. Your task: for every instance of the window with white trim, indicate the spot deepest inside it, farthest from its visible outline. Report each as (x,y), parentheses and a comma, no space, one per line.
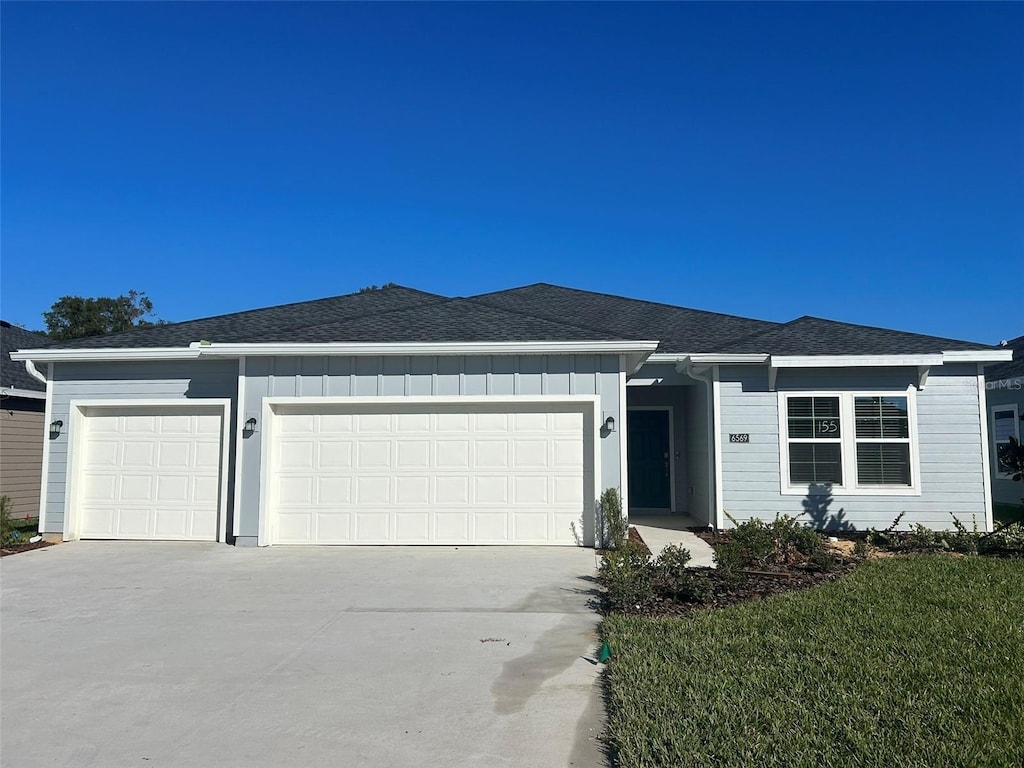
(1005,424)
(851,441)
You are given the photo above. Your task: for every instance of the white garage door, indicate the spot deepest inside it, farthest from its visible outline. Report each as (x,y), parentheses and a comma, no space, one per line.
(150,474)
(430,474)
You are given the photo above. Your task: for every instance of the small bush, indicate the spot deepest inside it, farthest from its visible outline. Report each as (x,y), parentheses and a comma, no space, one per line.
(730,556)
(670,570)
(614,526)
(781,542)
(627,576)
(8,533)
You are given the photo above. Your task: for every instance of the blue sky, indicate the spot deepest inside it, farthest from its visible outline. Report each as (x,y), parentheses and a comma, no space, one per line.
(862,162)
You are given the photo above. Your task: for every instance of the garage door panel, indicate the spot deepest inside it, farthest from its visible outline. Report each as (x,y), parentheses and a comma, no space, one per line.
(176,455)
(491,474)
(373,454)
(173,488)
(451,526)
(372,527)
(149,474)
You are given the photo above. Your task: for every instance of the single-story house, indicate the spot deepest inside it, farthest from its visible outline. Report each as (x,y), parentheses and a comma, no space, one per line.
(1004,385)
(395,416)
(22,402)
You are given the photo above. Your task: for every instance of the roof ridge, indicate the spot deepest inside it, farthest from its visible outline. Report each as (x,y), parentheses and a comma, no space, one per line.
(630,298)
(597,329)
(452,300)
(437,301)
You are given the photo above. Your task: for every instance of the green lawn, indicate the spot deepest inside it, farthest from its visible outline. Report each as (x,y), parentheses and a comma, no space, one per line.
(910,661)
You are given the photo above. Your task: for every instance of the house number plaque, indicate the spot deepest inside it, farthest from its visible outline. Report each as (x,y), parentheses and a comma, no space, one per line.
(743,437)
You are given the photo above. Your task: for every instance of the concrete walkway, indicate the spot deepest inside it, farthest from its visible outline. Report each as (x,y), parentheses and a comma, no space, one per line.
(658,531)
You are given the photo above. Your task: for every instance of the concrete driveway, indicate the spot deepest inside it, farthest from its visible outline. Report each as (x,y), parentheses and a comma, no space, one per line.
(163,654)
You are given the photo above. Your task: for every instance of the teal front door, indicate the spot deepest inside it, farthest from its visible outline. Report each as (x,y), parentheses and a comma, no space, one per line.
(647,440)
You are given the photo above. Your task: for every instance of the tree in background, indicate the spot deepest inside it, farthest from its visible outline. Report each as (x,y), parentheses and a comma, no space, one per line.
(75,317)
(369,288)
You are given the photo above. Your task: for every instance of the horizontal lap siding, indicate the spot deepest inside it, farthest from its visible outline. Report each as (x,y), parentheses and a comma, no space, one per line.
(949,439)
(21,455)
(183,380)
(398,376)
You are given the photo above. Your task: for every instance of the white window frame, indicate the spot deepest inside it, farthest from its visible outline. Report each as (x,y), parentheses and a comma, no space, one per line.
(999,473)
(848,443)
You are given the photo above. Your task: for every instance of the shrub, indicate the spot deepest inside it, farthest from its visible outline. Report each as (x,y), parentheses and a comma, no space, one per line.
(8,533)
(614,526)
(670,569)
(627,576)
(781,542)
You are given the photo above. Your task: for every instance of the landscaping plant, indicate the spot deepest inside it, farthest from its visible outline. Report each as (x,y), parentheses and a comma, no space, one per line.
(8,531)
(614,526)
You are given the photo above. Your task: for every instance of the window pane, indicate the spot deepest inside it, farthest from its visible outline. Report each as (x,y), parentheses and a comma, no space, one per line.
(1004,426)
(883,464)
(881,417)
(813,417)
(815,463)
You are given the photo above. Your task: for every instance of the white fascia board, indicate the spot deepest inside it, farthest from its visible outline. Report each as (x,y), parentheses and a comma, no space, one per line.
(15,392)
(708,358)
(88,355)
(853,361)
(978,356)
(212,349)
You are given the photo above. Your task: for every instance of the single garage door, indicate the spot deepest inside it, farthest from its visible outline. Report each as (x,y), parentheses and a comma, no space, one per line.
(150,473)
(431,474)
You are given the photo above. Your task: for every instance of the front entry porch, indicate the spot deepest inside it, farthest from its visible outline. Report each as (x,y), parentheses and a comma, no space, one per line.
(669,454)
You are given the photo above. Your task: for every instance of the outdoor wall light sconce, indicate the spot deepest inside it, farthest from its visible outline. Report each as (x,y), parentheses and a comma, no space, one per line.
(250,425)
(609,424)
(55,428)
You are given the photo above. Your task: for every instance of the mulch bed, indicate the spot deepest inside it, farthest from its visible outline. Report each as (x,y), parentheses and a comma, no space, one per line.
(18,548)
(742,585)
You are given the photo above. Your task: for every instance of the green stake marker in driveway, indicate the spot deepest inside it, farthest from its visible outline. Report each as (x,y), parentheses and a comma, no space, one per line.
(606,652)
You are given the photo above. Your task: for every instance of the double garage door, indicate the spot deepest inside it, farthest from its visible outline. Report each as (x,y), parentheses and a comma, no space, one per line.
(424,473)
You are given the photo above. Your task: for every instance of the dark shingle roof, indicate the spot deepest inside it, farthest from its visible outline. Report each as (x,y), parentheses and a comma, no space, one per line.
(449,320)
(1011,369)
(539,312)
(816,336)
(677,328)
(12,373)
(255,323)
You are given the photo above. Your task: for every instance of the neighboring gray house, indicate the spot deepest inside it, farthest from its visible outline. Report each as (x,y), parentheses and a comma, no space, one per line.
(22,401)
(402,417)
(1004,384)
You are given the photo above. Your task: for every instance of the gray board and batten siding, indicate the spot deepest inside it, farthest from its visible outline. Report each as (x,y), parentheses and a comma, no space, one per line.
(951,449)
(401,376)
(165,380)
